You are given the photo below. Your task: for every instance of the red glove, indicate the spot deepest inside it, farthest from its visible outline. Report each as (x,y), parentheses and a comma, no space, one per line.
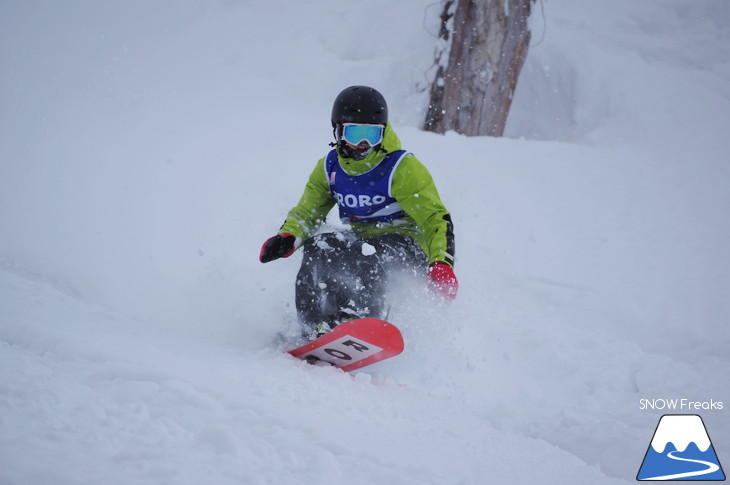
(280,246)
(443,279)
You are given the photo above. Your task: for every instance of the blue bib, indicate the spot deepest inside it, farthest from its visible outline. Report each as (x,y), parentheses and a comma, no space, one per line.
(365,197)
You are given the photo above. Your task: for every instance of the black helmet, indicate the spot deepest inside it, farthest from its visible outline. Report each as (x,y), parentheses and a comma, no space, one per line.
(360,104)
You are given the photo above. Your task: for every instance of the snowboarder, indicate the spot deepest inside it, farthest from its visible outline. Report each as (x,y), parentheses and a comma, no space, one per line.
(394,217)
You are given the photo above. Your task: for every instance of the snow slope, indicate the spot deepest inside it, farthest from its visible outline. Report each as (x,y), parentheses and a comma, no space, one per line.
(145,157)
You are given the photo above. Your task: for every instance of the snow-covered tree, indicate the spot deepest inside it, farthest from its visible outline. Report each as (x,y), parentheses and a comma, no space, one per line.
(482,47)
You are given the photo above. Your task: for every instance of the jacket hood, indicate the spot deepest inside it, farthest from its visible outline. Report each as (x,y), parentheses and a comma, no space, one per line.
(391,143)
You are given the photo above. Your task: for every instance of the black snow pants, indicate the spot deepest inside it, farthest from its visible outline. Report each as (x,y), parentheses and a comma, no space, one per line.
(343,276)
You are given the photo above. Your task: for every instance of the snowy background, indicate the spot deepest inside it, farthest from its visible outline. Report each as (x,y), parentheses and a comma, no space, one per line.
(146,152)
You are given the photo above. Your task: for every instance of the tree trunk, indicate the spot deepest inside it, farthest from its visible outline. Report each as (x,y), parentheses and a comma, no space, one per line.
(483,47)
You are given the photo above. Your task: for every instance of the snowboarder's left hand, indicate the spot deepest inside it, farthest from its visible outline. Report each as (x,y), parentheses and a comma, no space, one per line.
(443,279)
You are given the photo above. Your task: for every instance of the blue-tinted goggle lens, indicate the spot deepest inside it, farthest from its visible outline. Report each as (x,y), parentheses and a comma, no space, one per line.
(354,134)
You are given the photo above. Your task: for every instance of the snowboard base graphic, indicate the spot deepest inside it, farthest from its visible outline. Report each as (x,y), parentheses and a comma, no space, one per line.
(353,345)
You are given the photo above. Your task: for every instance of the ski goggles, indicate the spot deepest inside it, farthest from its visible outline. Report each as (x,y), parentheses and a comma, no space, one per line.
(355,133)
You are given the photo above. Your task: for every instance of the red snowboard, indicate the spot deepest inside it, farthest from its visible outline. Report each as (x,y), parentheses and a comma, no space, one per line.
(352,345)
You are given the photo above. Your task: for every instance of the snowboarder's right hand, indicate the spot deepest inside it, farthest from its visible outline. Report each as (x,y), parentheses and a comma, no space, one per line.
(279,246)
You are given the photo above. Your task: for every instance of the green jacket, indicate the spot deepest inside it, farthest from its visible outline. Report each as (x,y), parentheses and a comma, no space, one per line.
(428,221)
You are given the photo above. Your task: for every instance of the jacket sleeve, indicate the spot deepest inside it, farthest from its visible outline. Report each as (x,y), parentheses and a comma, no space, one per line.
(313,206)
(414,189)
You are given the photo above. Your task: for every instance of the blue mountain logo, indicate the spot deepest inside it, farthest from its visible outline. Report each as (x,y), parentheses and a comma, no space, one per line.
(681,450)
